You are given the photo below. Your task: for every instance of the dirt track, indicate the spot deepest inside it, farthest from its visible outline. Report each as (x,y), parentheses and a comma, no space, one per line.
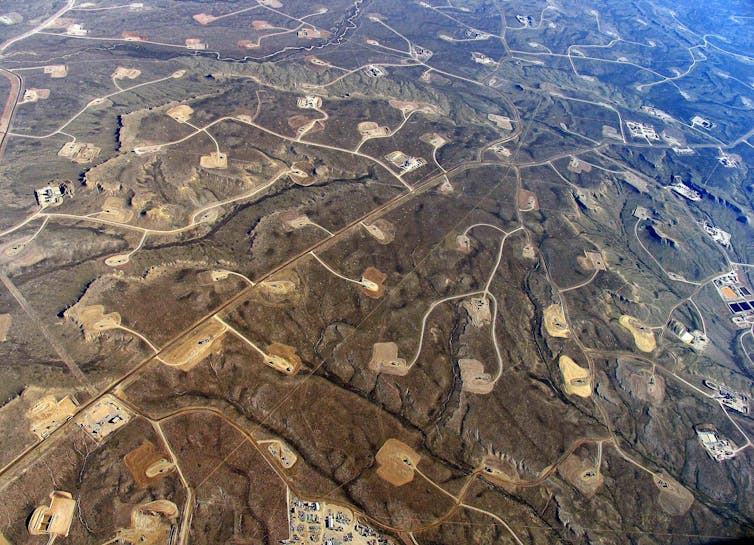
(10,106)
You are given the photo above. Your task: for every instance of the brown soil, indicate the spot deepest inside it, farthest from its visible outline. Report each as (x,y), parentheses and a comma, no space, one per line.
(5,321)
(139,460)
(283,358)
(473,377)
(378,277)
(382,230)
(196,346)
(385,360)
(527,200)
(92,319)
(674,499)
(396,462)
(555,322)
(576,379)
(582,475)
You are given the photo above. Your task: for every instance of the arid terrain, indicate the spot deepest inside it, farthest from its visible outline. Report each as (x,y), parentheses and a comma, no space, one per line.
(376,272)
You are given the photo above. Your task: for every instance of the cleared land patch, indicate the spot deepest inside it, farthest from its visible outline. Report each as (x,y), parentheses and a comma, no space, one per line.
(644,337)
(396,462)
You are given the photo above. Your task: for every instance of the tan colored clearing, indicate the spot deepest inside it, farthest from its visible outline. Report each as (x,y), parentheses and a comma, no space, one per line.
(122,72)
(407,107)
(5,321)
(578,166)
(258,24)
(370,129)
(278,287)
(293,220)
(382,230)
(385,360)
(106,416)
(373,283)
(528,252)
(181,113)
(479,310)
(117,260)
(473,377)
(501,471)
(582,474)
(527,200)
(644,337)
(463,244)
(92,319)
(33,95)
(283,358)
(48,414)
(79,152)
(316,61)
(576,379)
(56,70)
(300,177)
(647,386)
(147,465)
(194,347)
(247,44)
(282,453)
(591,261)
(446,188)
(133,36)
(204,18)
(501,121)
(54,520)
(215,159)
(396,462)
(116,209)
(555,322)
(433,139)
(195,43)
(674,499)
(284,289)
(271,3)
(151,524)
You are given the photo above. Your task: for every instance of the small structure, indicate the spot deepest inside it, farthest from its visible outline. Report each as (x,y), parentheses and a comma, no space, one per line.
(79,152)
(216,159)
(374,71)
(51,195)
(33,95)
(717,234)
(181,113)
(48,414)
(699,121)
(56,70)
(132,36)
(481,58)
(729,397)
(718,448)
(659,114)
(309,102)
(54,520)
(405,162)
(104,417)
(729,161)
(195,44)
(396,462)
(309,33)
(642,130)
(685,191)
(76,29)
(11,18)
(738,296)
